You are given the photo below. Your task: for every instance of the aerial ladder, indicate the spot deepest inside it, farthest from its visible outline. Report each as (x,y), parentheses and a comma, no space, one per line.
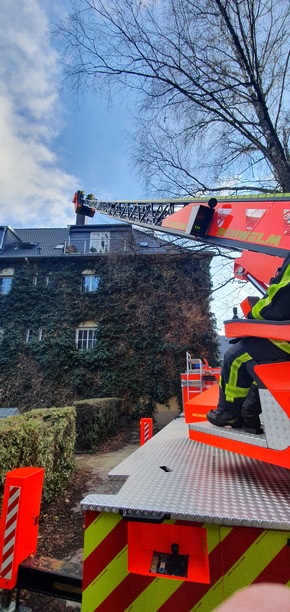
(199,511)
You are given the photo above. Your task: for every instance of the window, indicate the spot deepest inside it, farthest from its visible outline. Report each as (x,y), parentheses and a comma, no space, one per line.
(86,338)
(5,284)
(6,277)
(100,242)
(28,336)
(34,335)
(90,282)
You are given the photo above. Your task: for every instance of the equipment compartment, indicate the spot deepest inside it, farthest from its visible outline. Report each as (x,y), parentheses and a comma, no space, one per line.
(168,551)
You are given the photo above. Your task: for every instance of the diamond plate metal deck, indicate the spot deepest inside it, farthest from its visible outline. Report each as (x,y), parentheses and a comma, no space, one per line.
(187,480)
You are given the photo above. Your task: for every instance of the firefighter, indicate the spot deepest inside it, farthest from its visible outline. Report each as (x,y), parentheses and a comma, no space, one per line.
(239,404)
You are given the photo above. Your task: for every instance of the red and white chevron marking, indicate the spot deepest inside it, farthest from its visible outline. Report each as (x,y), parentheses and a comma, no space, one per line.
(9,533)
(146,432)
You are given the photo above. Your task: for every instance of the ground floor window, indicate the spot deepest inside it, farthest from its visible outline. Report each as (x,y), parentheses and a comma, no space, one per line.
(86,338)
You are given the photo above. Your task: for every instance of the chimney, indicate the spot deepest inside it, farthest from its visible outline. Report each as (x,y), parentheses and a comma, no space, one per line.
(80,219)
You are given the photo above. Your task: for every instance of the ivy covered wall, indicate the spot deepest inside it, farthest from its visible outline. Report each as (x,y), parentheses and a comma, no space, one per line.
(149,310)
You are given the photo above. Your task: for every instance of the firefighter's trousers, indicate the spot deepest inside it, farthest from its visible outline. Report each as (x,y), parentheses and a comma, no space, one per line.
(237,371)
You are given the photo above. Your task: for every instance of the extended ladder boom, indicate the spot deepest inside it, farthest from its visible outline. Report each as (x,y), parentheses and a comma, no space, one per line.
(260,224)
(148,213)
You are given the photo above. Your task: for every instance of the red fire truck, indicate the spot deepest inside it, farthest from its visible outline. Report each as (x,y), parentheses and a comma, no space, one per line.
(199,511)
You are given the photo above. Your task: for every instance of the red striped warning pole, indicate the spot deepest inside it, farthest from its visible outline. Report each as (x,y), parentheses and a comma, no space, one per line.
(146,430)
(19,521)
(10,532)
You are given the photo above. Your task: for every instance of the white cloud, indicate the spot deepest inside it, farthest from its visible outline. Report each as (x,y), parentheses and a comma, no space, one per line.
(34,189)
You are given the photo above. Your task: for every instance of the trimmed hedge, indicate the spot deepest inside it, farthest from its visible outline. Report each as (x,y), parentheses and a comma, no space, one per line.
(41,438)
(96,420)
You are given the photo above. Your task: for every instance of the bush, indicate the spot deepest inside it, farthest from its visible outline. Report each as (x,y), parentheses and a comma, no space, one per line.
(40,438)
(96,420)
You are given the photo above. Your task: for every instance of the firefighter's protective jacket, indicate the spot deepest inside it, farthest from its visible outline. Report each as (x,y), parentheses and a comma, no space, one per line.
(275,306)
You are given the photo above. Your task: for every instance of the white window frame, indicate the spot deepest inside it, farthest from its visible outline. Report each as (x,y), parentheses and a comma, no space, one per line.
(29,336)
(100,242)
(37,335)
(86,337)
(88,281)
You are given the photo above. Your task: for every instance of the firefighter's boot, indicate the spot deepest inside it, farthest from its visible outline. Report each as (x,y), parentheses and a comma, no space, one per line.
(222,418)
(251,409)
(226,413)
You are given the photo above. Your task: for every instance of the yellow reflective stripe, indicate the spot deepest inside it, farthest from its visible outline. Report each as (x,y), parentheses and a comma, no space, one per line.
(213,598)
(236,391)
(155,595)
(106,582)
(98,531)
(232,390)
(224,532)
(256,558)
(245,570)
(213,536)
(271,292)
(235,366)
(284,346)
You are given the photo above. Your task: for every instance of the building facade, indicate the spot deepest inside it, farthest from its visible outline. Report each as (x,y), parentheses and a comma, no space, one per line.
(99,311)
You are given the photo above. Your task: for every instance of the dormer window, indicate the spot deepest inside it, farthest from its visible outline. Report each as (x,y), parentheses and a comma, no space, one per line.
(100,242)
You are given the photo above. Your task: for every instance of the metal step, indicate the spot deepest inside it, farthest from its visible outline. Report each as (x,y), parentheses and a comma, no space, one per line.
(228,432)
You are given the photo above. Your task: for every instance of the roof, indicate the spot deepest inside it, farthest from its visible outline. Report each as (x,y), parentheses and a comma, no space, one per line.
(36,242)
(50,242)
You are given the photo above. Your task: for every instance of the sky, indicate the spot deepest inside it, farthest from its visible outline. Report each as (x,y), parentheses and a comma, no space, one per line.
(53,142)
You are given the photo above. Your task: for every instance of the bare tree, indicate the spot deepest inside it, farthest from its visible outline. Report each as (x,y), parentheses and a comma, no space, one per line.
(210,81)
